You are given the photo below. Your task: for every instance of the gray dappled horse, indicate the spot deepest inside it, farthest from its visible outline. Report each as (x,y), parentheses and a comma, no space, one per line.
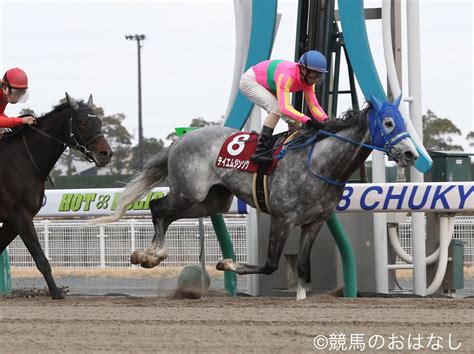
(302,191)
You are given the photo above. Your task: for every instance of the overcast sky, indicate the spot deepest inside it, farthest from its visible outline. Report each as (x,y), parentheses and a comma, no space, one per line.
(188,56)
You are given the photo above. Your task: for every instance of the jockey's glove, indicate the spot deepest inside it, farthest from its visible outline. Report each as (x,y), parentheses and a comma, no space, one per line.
(313,124)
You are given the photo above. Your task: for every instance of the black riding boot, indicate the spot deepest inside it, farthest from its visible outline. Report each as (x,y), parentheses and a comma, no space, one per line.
(263,155)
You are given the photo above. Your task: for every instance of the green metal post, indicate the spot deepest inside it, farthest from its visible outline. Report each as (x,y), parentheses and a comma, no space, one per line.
(347,256)
(225,242)
(5,276)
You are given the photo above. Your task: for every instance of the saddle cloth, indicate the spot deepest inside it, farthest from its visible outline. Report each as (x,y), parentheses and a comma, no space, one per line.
(236,151)
(235,154)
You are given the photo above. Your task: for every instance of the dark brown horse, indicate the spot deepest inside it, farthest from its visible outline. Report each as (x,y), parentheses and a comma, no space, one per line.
(28,155)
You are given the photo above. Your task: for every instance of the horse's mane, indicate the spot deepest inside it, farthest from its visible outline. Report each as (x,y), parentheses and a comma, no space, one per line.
(349,119)
(56,109)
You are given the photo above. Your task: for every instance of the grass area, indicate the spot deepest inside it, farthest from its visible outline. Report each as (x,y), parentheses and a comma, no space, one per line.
(140,273)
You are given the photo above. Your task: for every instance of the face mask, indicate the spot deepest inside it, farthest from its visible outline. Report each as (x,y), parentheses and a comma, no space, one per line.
(16,95)
(317,76)
(313,76)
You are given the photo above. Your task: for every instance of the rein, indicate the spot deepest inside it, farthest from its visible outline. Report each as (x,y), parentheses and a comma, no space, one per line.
(387,146)
(312,142)
(35,165)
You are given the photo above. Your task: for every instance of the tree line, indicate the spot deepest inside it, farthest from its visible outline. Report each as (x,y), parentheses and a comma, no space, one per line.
(126,154)
(438,134)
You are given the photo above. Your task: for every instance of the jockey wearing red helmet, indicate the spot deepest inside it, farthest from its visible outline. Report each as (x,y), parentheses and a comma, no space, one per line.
(14,90)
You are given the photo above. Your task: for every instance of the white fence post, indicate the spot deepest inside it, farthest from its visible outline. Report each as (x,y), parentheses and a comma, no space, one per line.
(102,237)
(46,238)
(132,239)
(202,256)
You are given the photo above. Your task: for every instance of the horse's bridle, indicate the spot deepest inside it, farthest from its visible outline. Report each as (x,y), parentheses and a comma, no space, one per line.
(380,139)
(76,145)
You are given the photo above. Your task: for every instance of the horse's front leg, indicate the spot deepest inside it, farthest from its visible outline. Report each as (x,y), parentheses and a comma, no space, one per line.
(279,230)
(23,224)
(309,232)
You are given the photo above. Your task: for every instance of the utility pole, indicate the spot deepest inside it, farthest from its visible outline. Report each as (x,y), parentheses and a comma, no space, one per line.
(139,38)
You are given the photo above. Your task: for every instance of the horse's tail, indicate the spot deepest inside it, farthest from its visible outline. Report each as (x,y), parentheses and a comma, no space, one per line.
(154,173)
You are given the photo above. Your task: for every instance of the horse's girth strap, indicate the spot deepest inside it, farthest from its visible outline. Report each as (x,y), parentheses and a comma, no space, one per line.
(265,190)
(260,190)
(254,191)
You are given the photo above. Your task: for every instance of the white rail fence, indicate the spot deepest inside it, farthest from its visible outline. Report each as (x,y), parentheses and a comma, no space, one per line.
(75,244)
(463,230)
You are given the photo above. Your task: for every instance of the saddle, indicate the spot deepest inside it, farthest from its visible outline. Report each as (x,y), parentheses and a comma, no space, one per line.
(235,154)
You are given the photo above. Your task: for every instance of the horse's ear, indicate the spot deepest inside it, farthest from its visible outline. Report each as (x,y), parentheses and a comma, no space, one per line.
(375,102)
(90,101)
(397,101)
(72,102)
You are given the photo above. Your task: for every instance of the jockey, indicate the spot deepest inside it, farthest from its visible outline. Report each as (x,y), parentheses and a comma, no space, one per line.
(268,85)
(14,89)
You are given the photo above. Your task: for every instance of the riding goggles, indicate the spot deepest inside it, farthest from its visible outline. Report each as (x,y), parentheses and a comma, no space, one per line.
(15,95)
(315,75)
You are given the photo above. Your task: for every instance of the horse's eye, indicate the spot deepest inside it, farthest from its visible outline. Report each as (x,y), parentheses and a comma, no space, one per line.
(83,122)
(389,123)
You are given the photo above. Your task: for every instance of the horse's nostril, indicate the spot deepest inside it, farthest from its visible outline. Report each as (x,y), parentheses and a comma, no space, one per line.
(105,154)
(409,155)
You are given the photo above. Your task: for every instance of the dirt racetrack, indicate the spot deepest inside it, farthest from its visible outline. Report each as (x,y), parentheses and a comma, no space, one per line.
(221,324)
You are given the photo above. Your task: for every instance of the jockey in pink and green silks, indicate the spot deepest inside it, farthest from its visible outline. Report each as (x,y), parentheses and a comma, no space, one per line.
(269,84)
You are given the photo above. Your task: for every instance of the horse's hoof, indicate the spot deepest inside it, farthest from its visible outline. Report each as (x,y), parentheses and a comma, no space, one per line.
(300,290)
(58,296)
(220,266)
(162,254)
(146,265)
(300,295)
(135,257)
(226,264)
(151,261)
